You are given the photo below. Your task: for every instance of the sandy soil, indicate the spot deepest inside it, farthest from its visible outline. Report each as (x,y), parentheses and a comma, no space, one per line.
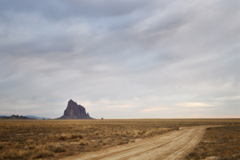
(175,145)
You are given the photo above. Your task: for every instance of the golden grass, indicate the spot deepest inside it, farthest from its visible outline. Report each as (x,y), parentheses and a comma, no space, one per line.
(52,139)
(220,142)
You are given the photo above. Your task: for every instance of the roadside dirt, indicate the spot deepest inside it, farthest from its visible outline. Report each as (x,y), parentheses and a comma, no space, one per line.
(175,145)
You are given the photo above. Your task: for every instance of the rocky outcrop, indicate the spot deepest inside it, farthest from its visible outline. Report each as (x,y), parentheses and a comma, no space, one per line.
(75,111)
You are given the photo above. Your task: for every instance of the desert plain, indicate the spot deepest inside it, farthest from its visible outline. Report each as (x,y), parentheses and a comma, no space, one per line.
(120,139)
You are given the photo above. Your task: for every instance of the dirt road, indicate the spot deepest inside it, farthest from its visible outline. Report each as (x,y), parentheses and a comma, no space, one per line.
(174,145)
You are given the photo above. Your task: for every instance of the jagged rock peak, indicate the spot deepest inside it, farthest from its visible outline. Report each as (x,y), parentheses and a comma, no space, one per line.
(75,111)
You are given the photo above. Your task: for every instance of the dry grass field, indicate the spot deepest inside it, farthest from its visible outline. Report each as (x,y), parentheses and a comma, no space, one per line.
(223,143)
(52,139)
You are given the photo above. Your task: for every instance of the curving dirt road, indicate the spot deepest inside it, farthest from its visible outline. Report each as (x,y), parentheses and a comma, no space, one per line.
(174,145)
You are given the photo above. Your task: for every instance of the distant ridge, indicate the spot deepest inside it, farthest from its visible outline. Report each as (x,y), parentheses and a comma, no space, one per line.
(14,117)
(21,117)
(35,117)
(75,111)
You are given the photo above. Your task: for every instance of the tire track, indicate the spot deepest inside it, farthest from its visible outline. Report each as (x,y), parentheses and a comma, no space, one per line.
(170,146)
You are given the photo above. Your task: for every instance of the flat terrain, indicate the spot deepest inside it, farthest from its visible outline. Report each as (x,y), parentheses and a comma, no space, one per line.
(219,142)
(55,139)
(170,146)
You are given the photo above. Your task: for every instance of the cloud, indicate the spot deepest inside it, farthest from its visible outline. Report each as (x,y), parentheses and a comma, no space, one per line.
(120,55)
(154,109)
(192,104)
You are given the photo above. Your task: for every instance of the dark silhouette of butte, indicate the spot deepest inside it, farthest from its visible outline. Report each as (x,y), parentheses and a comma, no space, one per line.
(75,111)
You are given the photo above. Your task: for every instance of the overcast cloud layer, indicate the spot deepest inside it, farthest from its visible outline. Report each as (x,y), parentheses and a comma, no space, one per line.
(121,59)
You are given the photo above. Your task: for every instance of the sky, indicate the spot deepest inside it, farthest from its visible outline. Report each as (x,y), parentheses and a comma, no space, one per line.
(121,59)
